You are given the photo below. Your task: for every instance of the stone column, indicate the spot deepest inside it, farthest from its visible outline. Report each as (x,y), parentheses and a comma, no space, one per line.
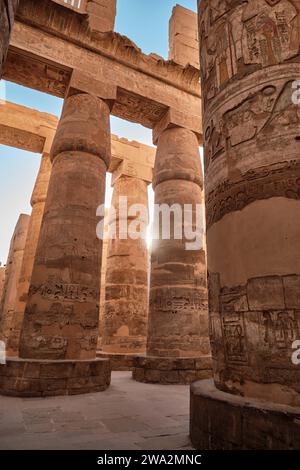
(177,346)
(60,327)
(12,275)
(38,203)
(2,279)
(252,158)
(102,281)
(126,286)
(8,9)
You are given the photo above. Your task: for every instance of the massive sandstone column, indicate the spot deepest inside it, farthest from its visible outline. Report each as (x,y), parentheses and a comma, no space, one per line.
(8,9)
(102,280)
(60,327)
(250,58)
(12,275)
(38,203)
(126,283)
(178,346)
(2,279)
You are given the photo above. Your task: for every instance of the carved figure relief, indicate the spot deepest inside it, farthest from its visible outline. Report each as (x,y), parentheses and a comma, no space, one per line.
(280,329)
(258,33)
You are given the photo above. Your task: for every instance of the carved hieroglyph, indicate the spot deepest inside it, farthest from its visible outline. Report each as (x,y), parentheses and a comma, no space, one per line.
(38,204)
(178,323)
(12,275)
(250,58)
(62,311)
(126,286)
(7,14)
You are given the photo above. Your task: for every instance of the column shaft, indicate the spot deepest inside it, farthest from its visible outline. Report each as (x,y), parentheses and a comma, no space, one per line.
(2,279)
(38,204)
(178,323)
(126,288)
(251,128)
(177,345)
(251,120)
(62,312)
(12,275)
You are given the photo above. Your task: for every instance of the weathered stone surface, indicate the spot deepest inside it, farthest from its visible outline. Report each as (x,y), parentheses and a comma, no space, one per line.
(7,13)
(12,275)
(34,378)
(49,42)
(168,371)
(62,312)
(2,280)
(222,421)
(183,37)
(118,361)
(178,323)
(25,128)
(38,204)
(178,317)
(32,130)
(251,138)
(126,284)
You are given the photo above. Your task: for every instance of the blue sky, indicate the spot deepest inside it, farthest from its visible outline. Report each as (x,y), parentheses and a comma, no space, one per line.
(143,21)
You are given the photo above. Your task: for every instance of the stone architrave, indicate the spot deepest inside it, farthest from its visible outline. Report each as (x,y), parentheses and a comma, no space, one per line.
(177,346)
(126,288)
(8,9)
(60,327)
(250,61)
(12,275)
(38,199)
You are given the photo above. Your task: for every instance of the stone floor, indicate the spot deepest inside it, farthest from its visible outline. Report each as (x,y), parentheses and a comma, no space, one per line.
(129,415)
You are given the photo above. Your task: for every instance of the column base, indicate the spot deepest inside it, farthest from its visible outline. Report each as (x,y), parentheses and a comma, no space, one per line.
(171,370)
(44,378)
(221,421)
(118,361)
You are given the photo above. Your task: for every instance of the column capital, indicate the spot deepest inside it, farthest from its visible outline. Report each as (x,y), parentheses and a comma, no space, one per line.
(135,170)
(175,118)
(85,83)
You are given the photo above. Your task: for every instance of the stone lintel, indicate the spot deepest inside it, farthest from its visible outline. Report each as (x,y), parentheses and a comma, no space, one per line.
(48,42)
(84,83)
(25,128)
(135,170)
(32,130)
(175,118)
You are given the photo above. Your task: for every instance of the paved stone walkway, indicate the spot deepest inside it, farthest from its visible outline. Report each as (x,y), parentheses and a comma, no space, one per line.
(129,415)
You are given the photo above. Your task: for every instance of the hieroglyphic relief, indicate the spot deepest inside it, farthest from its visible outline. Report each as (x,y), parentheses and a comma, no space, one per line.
(244,310)
(58,290)
(256,117)
(270,33)
(279,329)
(281,179)
(234,337)
(174,303)
(253,34)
